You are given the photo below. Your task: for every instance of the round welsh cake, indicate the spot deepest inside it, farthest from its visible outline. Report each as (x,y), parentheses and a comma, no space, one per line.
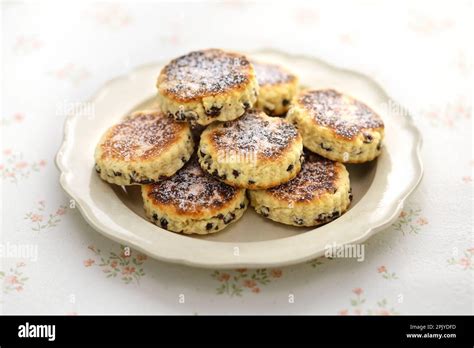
(145,147)
(191,201)
(277,88)
(255,151)
(318,194)
(337,126)
(207,86)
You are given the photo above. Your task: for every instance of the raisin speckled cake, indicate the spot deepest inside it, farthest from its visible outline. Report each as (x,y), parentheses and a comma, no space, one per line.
(192,201)
(337,126)
(207,86)
(277,88)
(318,194)
(255,151)
(145,147)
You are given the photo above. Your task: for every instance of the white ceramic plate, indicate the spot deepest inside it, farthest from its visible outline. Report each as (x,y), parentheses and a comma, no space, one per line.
(379,187)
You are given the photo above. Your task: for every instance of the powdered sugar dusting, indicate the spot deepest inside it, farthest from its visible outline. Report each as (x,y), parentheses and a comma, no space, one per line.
(345,115)
(141,136)
(203,73)
(270,74)
(316,177)
(191,190)
(256,133)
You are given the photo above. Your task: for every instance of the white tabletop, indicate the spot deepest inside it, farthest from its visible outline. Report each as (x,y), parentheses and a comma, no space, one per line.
(58,54)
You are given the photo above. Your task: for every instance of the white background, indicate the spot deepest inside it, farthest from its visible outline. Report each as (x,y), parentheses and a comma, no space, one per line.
(57,53)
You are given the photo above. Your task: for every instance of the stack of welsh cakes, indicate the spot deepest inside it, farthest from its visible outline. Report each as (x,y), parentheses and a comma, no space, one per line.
(230,131)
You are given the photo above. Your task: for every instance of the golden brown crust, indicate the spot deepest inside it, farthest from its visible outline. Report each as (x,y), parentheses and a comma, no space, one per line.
(253,134)
(345,116)
(200,74)
(320,193)
(192,193)
(317,177)
(141,137)
(272,74)
(277,87)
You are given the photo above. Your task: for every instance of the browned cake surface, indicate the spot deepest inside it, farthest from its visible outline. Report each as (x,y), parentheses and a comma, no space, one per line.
(255,132)
(190,191)
(141,136)
(204,73)
(343,114)
(271,74)
(317,176)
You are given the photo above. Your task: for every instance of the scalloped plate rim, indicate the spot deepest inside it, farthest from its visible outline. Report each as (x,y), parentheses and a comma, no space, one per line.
(104,230)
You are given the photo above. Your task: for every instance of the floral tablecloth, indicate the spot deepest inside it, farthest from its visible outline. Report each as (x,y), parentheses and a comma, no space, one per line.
(57,54)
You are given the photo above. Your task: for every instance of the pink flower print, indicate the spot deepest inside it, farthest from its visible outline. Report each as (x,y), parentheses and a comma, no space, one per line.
(21,165)
(128,270)
(358,305)
(422,221)
(386,274)
(464,262)
(36,218)
(224,277)
(116,264)
(72,73)
(11,279)
(42,163)
(276,273)
(27,44)
(467,179)
(239,281)
(62,73)
(7,152)
(113,264)
(249,283)
(14,279)
(60,211)
(18,117)
(88,262)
